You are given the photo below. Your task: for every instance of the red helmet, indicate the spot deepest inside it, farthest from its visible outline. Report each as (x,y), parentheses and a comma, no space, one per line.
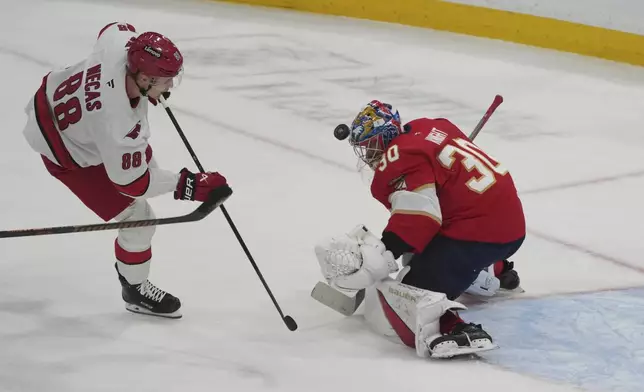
(154,55)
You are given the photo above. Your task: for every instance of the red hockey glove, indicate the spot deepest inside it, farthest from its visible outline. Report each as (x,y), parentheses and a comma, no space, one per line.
(197,186)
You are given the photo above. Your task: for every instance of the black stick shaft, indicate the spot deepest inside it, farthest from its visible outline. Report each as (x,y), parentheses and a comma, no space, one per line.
(290,323)
(214,201)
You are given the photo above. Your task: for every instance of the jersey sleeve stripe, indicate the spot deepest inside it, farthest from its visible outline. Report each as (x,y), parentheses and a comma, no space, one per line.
(123,26)
(415,229)
(422,188)
(415,216)
(131,258)
(105,28)
(48,128)
(420,213)
(137,187)
(420,202)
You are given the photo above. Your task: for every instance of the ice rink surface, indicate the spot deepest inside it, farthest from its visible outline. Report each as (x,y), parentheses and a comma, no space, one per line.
(262,92)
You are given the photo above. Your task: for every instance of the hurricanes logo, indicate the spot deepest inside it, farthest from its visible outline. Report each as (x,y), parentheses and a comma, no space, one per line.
(134,133)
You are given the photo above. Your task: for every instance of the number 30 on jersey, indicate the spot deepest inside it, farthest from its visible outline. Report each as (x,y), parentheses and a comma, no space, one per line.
(472,159)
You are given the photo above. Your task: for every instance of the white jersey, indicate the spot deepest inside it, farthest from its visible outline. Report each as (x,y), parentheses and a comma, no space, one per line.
(81,116)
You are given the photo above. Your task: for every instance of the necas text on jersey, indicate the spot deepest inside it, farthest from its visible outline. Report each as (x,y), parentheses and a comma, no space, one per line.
(92,88)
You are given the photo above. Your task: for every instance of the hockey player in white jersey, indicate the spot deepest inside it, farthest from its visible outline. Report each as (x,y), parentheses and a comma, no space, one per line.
(89,123)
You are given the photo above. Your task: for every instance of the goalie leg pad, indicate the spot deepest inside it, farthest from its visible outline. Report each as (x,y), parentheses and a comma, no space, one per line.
(406,314)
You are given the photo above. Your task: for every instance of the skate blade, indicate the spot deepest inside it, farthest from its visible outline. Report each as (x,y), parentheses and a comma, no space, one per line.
(506,292)
(460,351)
(141,310)
(502,294)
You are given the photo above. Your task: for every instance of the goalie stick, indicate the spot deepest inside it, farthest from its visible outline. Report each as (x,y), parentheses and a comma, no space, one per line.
(215,199)
(345,301)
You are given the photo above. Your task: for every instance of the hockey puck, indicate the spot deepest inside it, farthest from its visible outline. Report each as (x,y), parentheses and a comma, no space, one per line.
(341,132)
(290,323)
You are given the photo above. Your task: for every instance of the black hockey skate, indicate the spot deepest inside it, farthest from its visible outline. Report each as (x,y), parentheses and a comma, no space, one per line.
(465,338)
(146,298)
(509,278)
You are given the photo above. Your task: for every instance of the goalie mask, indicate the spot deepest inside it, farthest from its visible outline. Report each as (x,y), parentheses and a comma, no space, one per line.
(372,130)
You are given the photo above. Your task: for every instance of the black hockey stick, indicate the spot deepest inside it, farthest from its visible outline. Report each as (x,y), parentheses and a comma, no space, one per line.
(215,199)
(348,301)
(288,320)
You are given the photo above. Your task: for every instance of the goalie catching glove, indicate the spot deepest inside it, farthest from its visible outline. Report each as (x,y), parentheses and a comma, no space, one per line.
(197,186)
(355,260)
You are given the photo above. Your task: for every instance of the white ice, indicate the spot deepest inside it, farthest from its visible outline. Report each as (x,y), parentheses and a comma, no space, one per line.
(262,92)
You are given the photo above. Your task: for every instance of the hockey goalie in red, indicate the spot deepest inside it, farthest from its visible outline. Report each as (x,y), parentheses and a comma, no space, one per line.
(89,124)
(455,218)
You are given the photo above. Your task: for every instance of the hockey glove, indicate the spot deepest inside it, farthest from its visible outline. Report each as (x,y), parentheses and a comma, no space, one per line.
(197,186)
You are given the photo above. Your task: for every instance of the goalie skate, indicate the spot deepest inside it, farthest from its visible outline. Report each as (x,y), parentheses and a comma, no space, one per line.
(509,278)
(465,339)
(501,295)
(508,285)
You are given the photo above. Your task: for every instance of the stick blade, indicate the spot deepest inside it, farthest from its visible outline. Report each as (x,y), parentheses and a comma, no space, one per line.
(345,302)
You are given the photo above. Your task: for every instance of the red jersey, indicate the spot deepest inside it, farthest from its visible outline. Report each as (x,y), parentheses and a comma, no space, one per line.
(433,179)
